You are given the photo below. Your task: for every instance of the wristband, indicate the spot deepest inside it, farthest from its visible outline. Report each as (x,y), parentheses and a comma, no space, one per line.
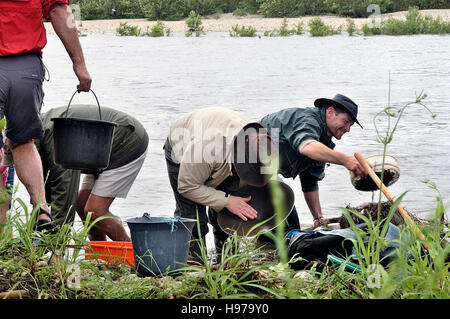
(317,218)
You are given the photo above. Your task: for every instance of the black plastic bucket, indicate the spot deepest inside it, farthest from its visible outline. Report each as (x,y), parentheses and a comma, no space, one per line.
(160,244)
(83,144)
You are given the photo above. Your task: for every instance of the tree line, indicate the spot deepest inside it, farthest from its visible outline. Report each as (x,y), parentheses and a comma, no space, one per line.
(180,9)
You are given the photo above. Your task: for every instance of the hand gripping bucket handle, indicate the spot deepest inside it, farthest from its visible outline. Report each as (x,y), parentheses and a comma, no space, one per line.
(98,104)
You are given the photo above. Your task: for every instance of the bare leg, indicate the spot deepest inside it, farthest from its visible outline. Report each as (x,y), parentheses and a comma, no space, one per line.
(94,233)
(29,170)
(99,206)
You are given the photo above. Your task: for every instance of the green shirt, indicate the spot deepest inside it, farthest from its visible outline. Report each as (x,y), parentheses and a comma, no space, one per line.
(291,127)
(130,140)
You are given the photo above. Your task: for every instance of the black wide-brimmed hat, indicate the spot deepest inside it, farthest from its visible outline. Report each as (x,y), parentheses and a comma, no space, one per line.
(342,102)
(254,155)
(262,202)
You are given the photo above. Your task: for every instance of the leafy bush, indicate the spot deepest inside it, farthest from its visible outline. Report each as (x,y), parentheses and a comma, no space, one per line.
(284,31)
(128,30)
(317,28)
(280,8)
(351,8)
(371,29)
(126,9)
(156,31)
(351,28)
(435,26)
(194,24)
(400,5)
(201,7)
(249,6)
(163,9)
(415,23)
(299,28)
(239,12)
(109,9)
(242,31)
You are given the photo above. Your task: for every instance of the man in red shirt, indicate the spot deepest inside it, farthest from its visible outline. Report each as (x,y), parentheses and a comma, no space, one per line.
(22,38)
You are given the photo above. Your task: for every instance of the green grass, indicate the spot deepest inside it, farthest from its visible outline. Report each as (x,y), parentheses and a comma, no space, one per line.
(51,266)
(246,271)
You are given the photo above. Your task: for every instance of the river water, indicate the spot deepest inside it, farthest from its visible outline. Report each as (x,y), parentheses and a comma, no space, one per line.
(159,79)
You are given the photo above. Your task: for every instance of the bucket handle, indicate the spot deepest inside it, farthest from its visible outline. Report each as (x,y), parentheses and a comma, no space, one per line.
(170,221)
(98,103)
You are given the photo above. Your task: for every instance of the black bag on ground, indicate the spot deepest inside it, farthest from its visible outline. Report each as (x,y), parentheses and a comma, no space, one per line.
(315,246)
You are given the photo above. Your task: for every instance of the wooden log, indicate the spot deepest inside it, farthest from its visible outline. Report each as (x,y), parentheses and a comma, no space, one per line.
(14,294)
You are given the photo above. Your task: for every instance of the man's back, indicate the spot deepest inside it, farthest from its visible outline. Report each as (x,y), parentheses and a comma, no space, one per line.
(128,134)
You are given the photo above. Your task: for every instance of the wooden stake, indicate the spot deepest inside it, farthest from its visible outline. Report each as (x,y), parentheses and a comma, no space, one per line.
(388,194)
(13,294)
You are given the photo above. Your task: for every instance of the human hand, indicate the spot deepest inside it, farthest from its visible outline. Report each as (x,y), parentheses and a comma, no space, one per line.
(83,76)
(239,207)
(353,165)
(320,221)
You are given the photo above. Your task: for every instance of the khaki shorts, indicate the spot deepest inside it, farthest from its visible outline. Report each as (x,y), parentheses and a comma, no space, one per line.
(114,182)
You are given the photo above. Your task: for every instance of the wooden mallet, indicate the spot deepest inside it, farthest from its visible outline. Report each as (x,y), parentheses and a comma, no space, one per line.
(389,196)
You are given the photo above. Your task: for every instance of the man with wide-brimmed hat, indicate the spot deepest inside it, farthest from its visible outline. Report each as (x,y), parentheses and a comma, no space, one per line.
(209,153)
(305,143)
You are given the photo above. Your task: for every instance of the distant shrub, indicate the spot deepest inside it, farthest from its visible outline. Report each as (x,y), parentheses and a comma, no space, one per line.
(284,31)
(239,12)
(194,24)
(243,31)
(435,26)
(163,9)
(157,30)
(250,6)
(280,8)
(318,28)
(128,30)
(371,29)
(351,28)
(414,23)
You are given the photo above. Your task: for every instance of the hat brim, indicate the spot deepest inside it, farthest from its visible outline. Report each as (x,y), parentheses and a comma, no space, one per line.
(261,201)
(324,102)
(250,173)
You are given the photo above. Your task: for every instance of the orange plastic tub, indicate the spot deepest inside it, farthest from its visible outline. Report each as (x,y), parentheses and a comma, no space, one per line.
(110,251)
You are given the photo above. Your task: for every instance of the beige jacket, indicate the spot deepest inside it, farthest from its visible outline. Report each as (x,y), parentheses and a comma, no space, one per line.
(202,142)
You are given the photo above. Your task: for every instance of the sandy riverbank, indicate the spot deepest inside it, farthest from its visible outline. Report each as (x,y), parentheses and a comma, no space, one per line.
(226,21)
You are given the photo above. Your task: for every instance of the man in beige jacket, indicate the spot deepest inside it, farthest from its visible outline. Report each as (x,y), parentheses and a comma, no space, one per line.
(210,152)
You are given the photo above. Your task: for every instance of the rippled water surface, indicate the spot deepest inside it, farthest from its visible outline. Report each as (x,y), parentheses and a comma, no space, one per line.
(159,79)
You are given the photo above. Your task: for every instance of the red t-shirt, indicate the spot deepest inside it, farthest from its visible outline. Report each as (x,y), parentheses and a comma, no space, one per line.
(21,25)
